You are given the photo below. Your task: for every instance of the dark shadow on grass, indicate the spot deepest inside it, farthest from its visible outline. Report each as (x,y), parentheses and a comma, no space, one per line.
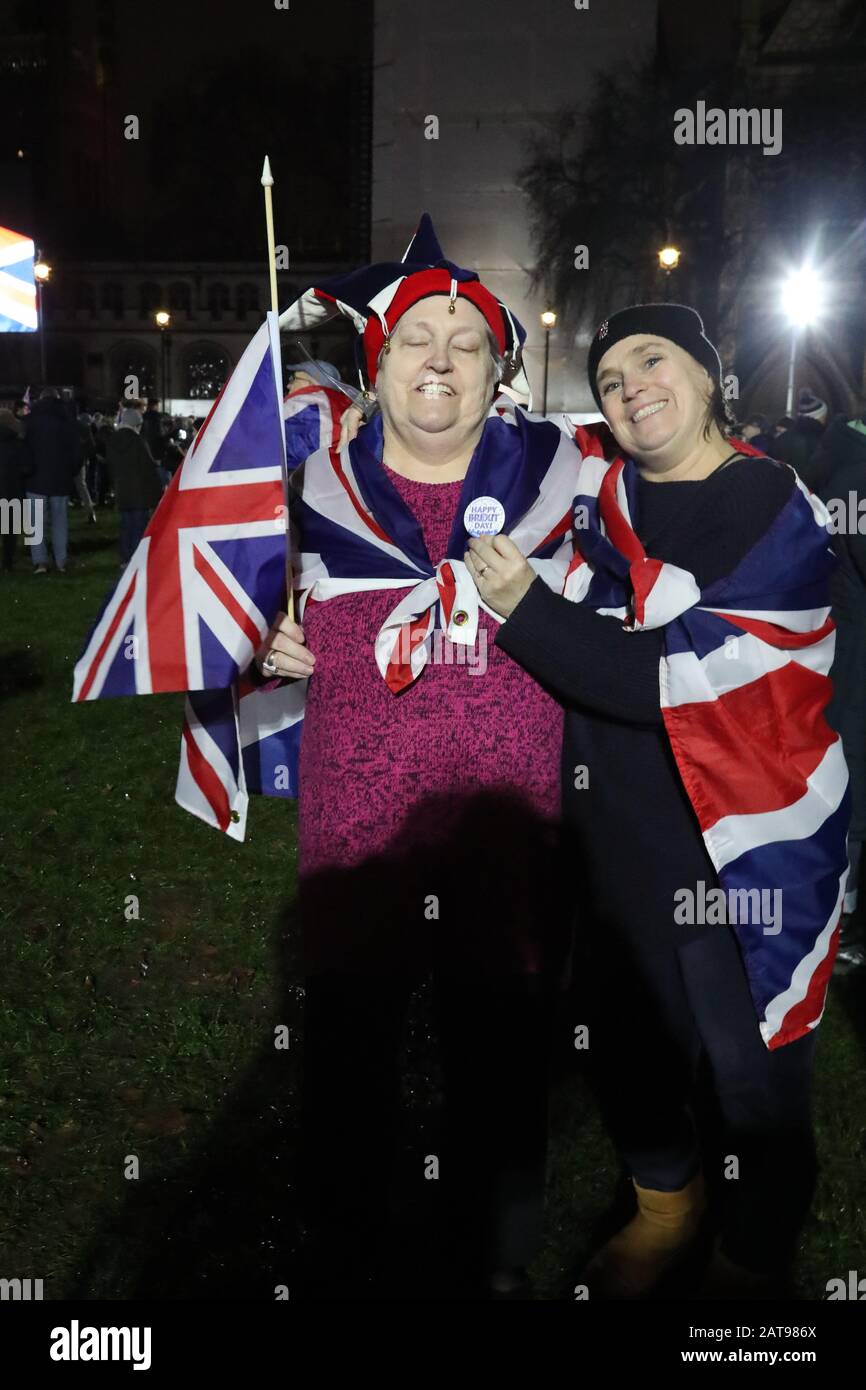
(223,1222)
(226,1222)
(85,544)
(19,672)
(850,989)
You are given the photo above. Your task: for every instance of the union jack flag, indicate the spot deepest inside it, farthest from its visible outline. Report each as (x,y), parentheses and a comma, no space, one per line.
(312,415)
(17,283)
(201,590)
(246,740)
(773,815)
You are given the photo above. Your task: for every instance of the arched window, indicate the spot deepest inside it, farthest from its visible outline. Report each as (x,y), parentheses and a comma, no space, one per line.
(218,300)
(85,299)
(206,370)
(133,370)
(179,297)
(150,299)
(112,299)
(247,300)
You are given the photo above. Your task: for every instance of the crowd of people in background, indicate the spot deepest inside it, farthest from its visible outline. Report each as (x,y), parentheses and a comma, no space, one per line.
(57,455)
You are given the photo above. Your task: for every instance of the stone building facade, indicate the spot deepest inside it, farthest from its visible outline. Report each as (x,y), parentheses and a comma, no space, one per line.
(100,328)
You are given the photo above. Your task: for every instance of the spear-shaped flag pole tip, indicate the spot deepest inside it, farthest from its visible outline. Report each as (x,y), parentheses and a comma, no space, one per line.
(267,185)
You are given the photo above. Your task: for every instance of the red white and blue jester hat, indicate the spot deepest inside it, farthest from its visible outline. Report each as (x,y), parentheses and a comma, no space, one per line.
(375,298)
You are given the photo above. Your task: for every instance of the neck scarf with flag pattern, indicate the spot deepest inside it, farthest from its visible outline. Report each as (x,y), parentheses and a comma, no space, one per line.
(355,533)
(744,682)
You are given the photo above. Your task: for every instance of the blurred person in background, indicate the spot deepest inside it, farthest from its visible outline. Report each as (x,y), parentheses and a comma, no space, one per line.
(53,457)
(758,432)
(12,489)
(102,431)
(135,480)
(797,443)
(88,455)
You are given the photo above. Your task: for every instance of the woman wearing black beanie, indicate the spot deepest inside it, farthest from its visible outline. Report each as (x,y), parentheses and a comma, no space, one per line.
(706,794)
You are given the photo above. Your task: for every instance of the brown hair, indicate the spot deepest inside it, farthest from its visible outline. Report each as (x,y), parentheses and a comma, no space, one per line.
(718,411)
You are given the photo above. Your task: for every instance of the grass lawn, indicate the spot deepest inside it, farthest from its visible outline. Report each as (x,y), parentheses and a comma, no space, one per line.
(150,1036)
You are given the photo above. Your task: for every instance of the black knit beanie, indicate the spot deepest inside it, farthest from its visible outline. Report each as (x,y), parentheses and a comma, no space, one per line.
(679,323)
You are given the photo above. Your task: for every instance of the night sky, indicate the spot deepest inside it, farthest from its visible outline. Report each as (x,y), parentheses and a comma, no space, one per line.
(215,87)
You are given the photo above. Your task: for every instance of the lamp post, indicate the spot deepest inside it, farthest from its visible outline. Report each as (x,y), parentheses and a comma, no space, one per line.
(669,258)
(548,319)
(802,302)
(41,274)
(163,322)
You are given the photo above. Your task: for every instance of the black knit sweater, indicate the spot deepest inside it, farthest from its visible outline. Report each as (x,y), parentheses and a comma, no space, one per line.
(636,835)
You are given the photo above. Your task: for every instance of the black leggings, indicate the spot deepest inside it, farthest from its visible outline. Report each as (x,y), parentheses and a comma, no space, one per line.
(660,1013)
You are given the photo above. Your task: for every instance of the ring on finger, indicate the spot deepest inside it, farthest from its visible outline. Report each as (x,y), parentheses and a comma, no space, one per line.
(268,665)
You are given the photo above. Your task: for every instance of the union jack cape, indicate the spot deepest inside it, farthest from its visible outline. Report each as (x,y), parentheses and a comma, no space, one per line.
(763,770)
(355,533)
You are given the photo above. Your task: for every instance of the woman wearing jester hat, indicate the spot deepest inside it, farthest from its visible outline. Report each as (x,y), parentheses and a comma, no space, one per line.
(691,648)
(430,802)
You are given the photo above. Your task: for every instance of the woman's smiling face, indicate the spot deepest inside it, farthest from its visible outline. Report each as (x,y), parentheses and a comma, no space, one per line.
(439,372)
(654,396)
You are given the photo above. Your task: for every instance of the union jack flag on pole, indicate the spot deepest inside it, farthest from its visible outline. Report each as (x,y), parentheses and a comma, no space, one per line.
(17,283)
(200,592)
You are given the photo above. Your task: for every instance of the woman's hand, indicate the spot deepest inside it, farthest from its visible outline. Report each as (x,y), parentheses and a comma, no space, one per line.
(352,421)
(284,648)
(501,573)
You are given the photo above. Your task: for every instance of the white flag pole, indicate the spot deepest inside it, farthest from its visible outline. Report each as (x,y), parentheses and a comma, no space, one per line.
(267,185)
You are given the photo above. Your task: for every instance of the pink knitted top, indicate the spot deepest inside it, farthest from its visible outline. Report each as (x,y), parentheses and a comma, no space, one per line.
(457,777)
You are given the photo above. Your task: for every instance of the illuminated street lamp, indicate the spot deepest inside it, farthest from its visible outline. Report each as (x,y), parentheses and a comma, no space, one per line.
(669,258)
(548,319)
(41,274)
(162,318)
(803,297)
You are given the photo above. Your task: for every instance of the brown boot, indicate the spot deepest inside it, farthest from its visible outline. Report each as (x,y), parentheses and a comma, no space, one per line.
(660,1233)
